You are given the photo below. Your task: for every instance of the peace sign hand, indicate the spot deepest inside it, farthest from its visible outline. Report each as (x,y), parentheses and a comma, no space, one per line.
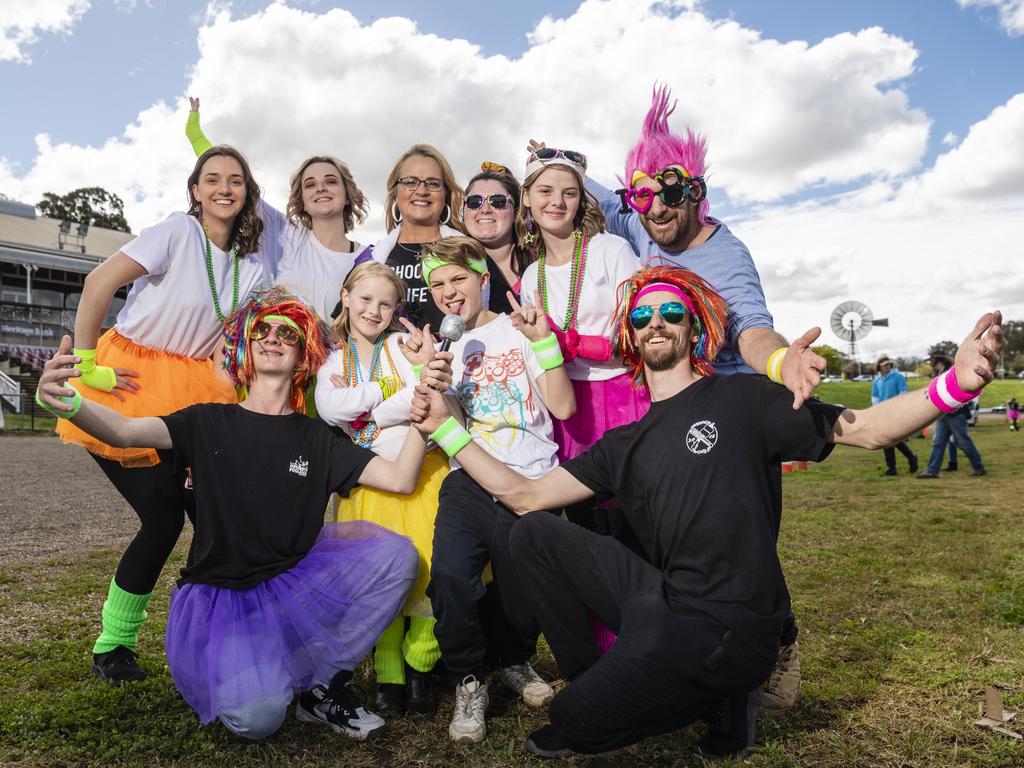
(529,321)
(418,346)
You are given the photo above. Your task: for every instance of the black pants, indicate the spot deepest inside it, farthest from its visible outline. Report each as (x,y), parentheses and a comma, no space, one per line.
(471,529)
(666,665)
(890,455)
(159,498)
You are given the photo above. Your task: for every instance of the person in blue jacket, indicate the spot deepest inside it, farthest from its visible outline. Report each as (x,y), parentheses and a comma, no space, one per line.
(886,385)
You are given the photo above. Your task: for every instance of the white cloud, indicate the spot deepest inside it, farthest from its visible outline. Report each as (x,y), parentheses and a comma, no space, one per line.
(782,117)
(1011,13)
(21,23)
(950,139)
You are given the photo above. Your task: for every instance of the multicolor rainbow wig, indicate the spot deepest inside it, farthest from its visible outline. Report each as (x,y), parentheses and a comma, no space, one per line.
(708,307)
(659,148)
(317,340)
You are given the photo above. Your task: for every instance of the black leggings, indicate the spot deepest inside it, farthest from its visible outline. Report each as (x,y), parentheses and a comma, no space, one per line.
(159,498)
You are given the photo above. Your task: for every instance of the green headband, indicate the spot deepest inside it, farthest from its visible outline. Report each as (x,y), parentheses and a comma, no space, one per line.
(430,262)
(285,321)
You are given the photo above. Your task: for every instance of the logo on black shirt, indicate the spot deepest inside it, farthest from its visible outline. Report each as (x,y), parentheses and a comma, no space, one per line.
(702,437)
(300,466)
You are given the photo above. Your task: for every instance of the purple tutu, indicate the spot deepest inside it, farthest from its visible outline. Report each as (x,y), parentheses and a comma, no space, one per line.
(600,406)
(228,647)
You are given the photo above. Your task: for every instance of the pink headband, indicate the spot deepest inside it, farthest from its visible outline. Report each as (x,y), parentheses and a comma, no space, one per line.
(668,287)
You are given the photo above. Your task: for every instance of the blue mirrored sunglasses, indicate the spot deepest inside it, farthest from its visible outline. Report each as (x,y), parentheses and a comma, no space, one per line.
(671,312)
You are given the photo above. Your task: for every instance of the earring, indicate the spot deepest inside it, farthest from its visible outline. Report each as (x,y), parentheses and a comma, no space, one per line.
(395,213)
(530,237)
(447,214)
(197,209)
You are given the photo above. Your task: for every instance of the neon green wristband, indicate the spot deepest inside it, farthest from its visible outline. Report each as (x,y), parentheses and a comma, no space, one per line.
(98,377)
(549,355)
(75,402)
(417,370)
(195,134)
(451,437)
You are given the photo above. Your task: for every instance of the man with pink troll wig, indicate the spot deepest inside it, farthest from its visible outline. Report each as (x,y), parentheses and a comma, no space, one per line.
(699,613)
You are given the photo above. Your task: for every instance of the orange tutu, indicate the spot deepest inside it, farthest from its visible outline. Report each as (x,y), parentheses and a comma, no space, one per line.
(167,383)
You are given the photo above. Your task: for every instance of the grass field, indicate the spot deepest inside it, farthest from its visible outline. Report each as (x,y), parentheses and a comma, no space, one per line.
(909,596)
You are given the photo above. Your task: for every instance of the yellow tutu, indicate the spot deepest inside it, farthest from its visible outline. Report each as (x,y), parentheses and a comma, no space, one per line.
(411,516)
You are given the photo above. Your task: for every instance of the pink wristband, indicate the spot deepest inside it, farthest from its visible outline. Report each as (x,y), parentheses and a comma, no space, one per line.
(945,392)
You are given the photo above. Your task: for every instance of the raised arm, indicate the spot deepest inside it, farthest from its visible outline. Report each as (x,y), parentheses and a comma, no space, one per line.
(430,410)
(555,387)
(193,130)
(798,368)
(58,397)
(891,421)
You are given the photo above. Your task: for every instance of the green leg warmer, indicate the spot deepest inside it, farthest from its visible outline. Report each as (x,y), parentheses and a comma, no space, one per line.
(387,656)
(123,614)
(420,647)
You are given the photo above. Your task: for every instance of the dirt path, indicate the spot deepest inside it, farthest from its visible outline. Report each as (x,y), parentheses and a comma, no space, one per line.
(42,517)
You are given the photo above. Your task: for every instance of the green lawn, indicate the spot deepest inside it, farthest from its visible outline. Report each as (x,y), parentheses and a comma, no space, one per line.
(909,596)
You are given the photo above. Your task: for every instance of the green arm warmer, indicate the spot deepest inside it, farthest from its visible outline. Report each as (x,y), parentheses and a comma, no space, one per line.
(195,134)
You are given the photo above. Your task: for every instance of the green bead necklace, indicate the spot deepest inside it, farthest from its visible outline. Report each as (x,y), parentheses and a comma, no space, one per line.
(213,281)
(579,267)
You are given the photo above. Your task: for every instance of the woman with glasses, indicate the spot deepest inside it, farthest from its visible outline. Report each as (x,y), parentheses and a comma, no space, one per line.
(423,204)
(492,197)
(324,205)
(187,273)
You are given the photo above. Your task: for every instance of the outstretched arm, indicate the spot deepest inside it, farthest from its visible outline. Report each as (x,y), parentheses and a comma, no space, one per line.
(193,131)
(520,494)
(798,368)
(893,420)
(95,419)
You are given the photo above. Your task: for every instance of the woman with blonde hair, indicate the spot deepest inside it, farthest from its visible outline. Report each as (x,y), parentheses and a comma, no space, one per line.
(366,387)
(315,253)
(423,204)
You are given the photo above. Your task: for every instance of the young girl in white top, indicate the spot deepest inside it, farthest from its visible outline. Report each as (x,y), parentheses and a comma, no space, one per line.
(188,272)
(313,254)
(366,387)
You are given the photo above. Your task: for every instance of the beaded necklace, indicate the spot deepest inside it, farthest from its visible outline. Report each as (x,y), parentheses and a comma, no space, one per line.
(366,434)
(579,268)
(213,281)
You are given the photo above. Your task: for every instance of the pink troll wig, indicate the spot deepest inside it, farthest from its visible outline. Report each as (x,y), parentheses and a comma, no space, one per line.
(709,309)
(658,147)
(317,340)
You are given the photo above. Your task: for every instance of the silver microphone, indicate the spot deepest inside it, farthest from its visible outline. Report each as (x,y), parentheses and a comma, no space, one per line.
(452,328)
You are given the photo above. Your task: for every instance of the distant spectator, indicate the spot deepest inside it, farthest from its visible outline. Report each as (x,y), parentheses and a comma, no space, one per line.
(1013,414)
(952,424)
(888,384)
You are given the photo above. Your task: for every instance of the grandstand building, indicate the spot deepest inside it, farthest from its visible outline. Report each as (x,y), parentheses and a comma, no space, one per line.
(43,264)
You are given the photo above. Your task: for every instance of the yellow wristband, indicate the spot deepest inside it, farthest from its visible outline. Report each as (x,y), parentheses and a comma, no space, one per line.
(774,367)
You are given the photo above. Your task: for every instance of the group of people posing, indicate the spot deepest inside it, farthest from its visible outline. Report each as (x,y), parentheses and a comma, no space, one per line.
(585,454)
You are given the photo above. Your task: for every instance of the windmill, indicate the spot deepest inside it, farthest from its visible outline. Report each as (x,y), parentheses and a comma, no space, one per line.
(851,321)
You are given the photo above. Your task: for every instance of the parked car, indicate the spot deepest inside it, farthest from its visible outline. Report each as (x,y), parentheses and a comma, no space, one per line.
(863,377)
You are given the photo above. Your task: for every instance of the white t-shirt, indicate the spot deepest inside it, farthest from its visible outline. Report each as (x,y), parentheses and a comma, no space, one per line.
(170,308)
(307,267)
(341,406)
(610,260)
(494,375)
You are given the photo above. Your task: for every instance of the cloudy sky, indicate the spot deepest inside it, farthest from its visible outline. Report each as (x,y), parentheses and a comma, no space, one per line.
(870,150)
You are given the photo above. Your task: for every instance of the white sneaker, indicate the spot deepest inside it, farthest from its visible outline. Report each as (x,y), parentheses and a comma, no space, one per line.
(522,679)
(468,724)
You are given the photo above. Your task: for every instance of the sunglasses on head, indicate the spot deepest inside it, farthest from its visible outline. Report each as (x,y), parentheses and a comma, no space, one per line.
(672,312)
(497,202)
(550,153)
(285,333)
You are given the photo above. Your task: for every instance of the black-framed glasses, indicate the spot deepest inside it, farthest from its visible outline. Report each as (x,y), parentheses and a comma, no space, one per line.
(285,333)
(550,153)
(412,183)
(672,312)
(682,190)
(497,202)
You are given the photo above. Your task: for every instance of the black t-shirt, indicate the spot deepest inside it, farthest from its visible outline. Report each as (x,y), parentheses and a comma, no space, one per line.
(699,480)
(261,486)
(404,259)
(499,290)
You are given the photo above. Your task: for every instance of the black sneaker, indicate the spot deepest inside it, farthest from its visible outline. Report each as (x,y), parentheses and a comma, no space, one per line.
(117,666)
(890,473)
(343,713)
(731,726)
(913,464)
(545,742)
(950,468)
(390,700)
(978,473)
(419,695)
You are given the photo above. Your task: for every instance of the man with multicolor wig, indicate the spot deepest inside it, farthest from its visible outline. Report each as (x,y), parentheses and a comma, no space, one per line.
(271,602)
(698,619)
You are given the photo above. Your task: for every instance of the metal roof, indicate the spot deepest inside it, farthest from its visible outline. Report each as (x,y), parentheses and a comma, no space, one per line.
(34,241)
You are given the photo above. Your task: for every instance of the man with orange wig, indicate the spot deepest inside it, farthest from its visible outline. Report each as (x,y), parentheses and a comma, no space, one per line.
(699,619)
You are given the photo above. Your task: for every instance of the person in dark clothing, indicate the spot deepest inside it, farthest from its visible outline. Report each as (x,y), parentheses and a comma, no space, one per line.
(698,620)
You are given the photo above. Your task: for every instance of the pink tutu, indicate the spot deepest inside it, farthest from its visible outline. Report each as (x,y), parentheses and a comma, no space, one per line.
(600,406)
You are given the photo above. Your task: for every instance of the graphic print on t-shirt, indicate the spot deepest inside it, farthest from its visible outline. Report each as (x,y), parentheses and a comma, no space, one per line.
(701,437)
(490,390)
(299,466)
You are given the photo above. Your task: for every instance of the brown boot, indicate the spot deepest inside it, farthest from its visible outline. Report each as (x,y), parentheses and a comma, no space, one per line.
(782,689)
